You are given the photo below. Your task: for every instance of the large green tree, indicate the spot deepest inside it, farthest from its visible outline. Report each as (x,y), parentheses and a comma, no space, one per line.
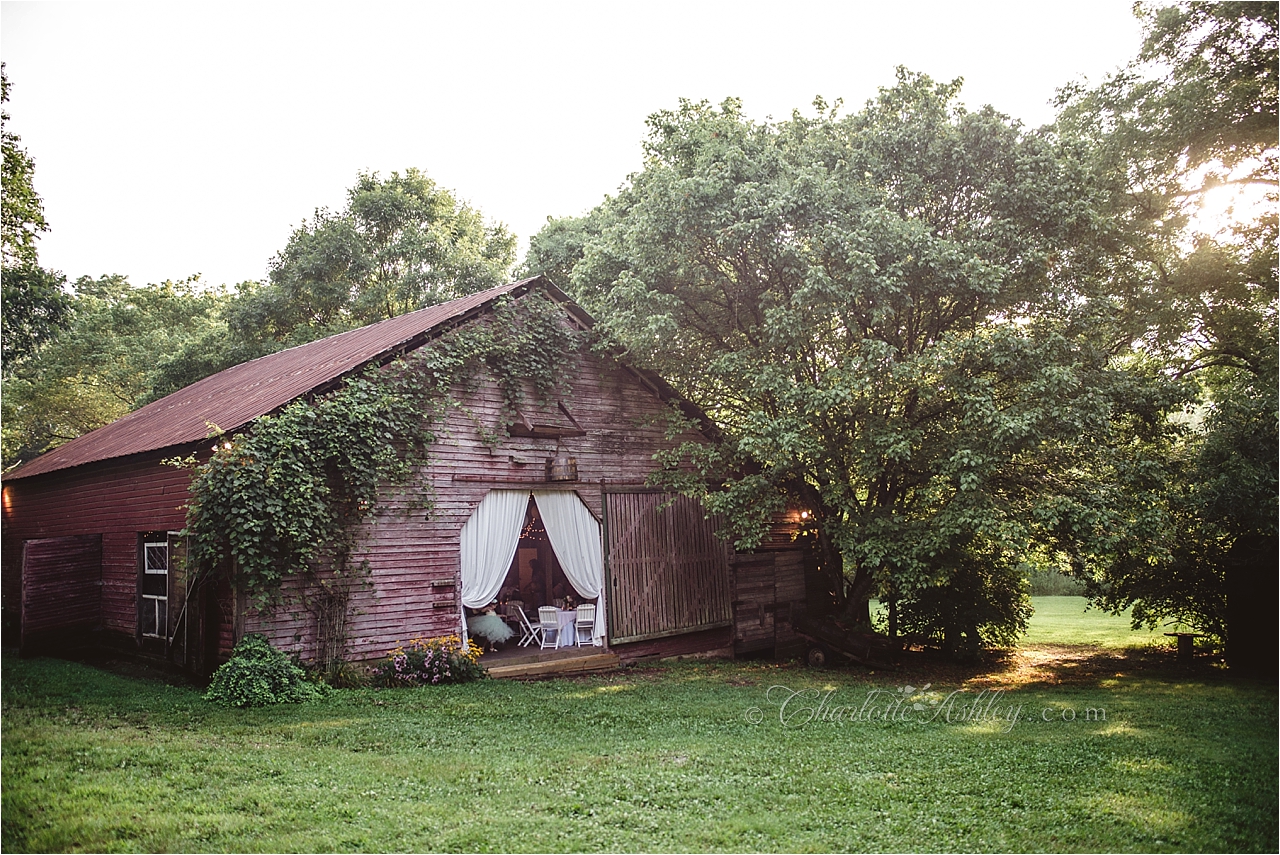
(23,212)
(401,243)
(897,315)
(1194,117)
(35,302)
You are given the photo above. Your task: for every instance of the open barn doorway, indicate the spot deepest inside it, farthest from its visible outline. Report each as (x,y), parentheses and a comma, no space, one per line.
(525,551)
(535,577)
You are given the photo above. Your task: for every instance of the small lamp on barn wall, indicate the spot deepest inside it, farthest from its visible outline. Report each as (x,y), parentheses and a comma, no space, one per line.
(562,467)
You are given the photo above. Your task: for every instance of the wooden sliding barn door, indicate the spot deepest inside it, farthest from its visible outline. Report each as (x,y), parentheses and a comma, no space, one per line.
(667,571)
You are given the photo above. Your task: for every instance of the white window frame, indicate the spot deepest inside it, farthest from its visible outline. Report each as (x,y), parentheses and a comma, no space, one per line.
(157,602)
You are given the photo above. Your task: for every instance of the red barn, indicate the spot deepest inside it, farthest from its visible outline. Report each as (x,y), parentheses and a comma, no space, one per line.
(93,544)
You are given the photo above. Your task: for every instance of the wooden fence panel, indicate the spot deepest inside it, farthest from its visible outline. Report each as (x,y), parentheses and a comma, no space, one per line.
(668,572)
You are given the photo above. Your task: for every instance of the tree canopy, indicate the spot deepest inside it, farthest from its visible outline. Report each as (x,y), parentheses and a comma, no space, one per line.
(401,243)
(35,304)
(964,345)
(120,341)
(898,315)
(1192,118)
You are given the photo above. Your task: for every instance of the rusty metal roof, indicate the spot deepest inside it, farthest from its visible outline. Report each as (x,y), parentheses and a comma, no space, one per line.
(232,398)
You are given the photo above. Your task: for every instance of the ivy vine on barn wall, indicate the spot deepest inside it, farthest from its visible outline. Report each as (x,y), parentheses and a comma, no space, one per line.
(286,497)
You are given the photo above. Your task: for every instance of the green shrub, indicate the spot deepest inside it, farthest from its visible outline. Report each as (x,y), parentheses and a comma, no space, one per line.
(257,675)
(1048,582)
(984,603)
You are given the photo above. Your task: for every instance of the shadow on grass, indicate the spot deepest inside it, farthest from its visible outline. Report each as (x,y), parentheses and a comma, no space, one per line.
(1054,665)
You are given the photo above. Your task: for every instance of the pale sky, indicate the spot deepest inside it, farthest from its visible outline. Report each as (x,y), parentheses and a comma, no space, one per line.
(180,138)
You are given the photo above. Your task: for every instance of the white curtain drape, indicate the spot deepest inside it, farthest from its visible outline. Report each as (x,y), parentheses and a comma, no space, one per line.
(489,541)
(575,536)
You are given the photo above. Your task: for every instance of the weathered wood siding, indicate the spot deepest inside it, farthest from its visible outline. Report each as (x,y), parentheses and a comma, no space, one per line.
(790,592)
(753,602)
(768,597)
(114,500)
(413,553)
(61,587)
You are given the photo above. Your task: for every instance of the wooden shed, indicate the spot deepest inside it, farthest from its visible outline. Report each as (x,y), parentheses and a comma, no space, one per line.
(93,542)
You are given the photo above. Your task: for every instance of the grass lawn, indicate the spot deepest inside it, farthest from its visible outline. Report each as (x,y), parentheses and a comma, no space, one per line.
(1065,620)
(1109,754)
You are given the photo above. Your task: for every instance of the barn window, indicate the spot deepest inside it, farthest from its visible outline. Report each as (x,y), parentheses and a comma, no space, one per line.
(153,611)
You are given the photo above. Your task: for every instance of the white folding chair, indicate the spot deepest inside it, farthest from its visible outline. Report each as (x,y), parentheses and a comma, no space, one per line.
(586,624)
(549,623)
(531,632)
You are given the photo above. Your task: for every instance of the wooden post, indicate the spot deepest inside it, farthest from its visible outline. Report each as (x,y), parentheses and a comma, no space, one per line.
(1186,645)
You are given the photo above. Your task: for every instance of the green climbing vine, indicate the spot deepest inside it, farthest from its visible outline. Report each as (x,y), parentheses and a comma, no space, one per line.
(286,497)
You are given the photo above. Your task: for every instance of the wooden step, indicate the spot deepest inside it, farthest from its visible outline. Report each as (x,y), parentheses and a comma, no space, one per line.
(550,667)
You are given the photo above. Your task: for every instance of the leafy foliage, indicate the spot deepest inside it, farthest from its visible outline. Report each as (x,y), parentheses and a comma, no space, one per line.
(935,329)
(984,602)
(288,492)
(119,341)
(258,675)
(1184,501)
(36,307)
(1194,116)
(1050,581)
(401,243)
(558,246)
(1201,93)
(899,317)
(430,662)
(23,219)
(34,304)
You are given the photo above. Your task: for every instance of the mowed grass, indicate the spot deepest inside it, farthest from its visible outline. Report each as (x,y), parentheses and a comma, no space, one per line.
(1067,620)
(679,757)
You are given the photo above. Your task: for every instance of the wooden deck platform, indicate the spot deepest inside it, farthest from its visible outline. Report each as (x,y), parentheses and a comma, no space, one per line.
(523,663)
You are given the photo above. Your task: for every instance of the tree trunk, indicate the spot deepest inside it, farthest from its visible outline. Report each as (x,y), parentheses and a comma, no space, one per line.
(858,611)
(858,606)
(961,642)
(831,562)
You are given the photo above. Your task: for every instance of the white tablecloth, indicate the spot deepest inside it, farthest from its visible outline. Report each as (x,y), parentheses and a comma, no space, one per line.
(568,635)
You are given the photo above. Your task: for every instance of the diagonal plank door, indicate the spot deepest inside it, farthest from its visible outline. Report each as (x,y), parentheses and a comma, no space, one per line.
(668,572)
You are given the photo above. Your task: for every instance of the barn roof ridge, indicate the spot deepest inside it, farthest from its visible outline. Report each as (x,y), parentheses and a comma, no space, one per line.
(235,396)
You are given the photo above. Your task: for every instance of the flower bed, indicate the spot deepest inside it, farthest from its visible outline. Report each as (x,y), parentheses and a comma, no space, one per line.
(428,662)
